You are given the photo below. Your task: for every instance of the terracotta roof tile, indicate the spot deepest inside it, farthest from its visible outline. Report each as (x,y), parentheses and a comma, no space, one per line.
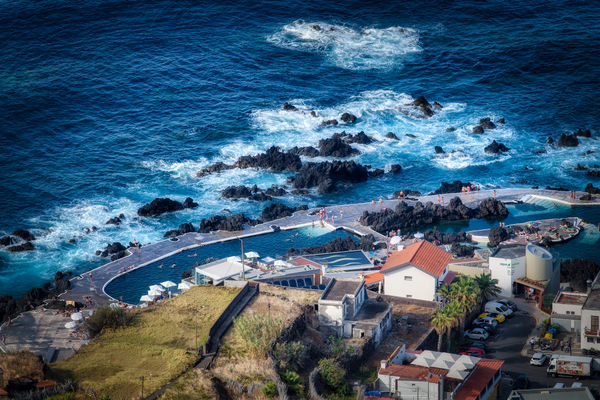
(449,277)
(414,372)
(374,277)
(476,382)
(423,255)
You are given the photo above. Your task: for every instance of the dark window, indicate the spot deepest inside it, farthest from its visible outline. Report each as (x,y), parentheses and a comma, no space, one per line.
(595,323)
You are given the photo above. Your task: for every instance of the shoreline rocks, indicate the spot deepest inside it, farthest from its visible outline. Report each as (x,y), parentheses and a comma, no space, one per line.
(495,148)
(326,175)
(12,241)
(336,147)
(338,244)
(181,230)
(591,189)
(234,222)
(408,217)
(496,236)
(568,140)
(454,187)
(159,206)
(278,210)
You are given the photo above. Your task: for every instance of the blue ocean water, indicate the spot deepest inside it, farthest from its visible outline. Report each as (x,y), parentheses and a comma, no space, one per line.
(106,105)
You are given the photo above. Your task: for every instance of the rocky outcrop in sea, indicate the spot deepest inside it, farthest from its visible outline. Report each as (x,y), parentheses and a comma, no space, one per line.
(163,205)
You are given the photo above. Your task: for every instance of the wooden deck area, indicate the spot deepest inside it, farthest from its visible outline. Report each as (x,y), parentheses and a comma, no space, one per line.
(92,283)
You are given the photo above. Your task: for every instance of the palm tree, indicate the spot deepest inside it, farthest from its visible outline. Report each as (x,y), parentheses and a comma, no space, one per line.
(443,292)
(488,287)
(465,293)
(456,313)
(441,321)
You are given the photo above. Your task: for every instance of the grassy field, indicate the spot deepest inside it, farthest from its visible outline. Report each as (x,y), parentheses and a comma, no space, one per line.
(157,347)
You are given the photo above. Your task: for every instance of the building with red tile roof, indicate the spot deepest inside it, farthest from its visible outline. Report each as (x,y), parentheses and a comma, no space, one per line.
(416,271)
(435,375)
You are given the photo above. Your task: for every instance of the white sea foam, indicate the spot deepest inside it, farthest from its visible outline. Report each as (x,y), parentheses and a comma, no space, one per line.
(177,169)
(355,49)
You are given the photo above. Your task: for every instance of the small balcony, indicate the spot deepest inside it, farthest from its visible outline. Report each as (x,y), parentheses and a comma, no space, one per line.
(592,332)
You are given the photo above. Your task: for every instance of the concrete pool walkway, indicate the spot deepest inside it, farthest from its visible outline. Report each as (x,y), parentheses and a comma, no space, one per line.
(92,283)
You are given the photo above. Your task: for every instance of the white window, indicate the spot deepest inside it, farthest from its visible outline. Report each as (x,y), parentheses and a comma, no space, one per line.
(407,278)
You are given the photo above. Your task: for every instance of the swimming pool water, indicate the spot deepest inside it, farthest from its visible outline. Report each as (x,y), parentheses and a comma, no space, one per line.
(131,286)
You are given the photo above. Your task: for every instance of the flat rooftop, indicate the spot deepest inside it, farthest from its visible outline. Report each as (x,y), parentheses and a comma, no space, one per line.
(509,252)
(581,393)
(372,311)
(339,288)
(341,260)
(571,298)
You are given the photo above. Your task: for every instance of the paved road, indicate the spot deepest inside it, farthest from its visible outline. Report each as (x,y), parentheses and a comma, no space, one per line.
(507,345)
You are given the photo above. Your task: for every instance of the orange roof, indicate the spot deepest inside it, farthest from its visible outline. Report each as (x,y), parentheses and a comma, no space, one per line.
(414,372)
(449,277)
(476,382)
(373,278)
(423,255)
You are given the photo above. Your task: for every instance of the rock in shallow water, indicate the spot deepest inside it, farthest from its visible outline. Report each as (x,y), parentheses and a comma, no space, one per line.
(27,246)
(495,147)
(568,140)
(159,206)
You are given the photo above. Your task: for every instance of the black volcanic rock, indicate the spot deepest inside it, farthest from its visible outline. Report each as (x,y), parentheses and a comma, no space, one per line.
(329,122)
(7,240)
(491,208)
(237,192)
(454,187)
(275,211)
(23,234)
(496,236)
(495,147)
(275,191)
(501,121)
(338,244)
(273,160)
(408,217)
(159,206)
(183,229)
(486,123)
(114,221)
(189,203)
(234,222)
(591,189)
(395,168)
(550,140)
(336,147)
(307,151)
(478,129)
(27,246)
(216,167)
(586,196)
(593,172)
(460,250)
(360,137)
(391,135)
(348,118)
(435,236)
(288,107)
(582,133)
(568,140)
(439,150)
(313,174)
(450,129)
(114,248)
(376,172)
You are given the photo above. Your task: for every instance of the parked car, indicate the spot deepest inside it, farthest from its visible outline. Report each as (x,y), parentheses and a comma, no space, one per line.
(508,303)
(538,359)
(486,318)
(497,317)
(492,306)
(477,333)
(481,345)
(521,382)
(487,327)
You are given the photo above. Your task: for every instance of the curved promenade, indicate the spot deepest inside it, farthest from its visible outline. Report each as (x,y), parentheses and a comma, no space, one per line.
(92,283)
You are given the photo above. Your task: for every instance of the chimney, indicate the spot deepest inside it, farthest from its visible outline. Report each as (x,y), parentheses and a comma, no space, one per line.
(384,364)
(589,286)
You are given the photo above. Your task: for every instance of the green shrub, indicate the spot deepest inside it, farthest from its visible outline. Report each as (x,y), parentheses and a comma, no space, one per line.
(270,390)
(62,396)
(333,376)
(338,349)
(290,356)
(108,317)
(293,382)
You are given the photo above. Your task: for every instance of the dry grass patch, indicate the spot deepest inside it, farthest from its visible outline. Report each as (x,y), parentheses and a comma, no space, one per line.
(196,384)
(21,364)
(158,346)
(300,296)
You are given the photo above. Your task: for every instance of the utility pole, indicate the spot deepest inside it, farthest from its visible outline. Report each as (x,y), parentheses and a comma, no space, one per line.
(243,267)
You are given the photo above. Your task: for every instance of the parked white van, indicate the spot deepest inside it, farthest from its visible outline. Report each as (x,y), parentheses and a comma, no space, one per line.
(492,306)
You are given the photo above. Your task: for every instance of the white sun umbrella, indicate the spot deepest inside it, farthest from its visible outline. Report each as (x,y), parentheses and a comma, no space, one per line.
(154,293)
(145,298)
(71,325)
(252,254)
(280,263)
(157,288)
(77,316)
(419,235)
(184,285)
(168,284)
(395,240)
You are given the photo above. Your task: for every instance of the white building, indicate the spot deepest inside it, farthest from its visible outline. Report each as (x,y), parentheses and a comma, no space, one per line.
(566,311)
(346,310)
(417,271)
(220,270)
(590,318)
(507,264)
(432,375)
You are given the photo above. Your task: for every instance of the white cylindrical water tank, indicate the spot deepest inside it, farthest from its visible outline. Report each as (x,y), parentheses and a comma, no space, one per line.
(539,263)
